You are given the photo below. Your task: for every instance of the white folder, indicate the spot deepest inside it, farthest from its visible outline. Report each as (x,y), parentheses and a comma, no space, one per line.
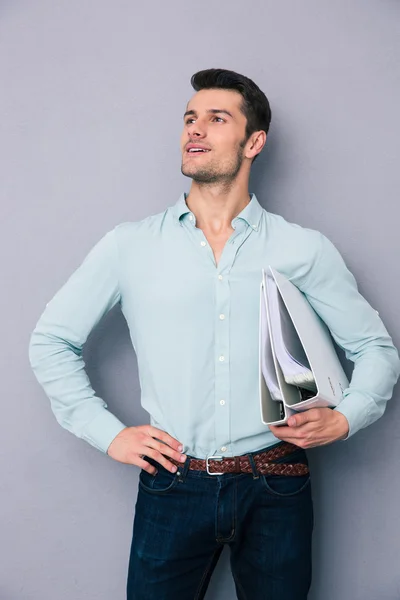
(296,352)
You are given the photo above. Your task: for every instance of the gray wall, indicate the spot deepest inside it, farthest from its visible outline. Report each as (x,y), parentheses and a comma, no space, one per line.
(92,97)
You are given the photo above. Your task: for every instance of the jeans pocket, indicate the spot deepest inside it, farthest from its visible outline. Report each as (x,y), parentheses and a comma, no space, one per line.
(288,485)
(160,483)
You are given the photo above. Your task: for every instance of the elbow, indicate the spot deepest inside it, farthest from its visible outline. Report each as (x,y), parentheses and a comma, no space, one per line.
(396,362)
(39,348)
(33,349)
(389,355)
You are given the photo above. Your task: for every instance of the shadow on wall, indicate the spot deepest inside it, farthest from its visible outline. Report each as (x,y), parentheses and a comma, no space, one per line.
(266,168)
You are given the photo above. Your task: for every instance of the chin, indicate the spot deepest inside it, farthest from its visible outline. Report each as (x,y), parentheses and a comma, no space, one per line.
(189,171)
(204,177)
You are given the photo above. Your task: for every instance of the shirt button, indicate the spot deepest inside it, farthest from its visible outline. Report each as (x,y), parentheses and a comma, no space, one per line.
(254,226)
(222,402)
(222,317)
(191,217)
(224,448)
(222,358)
(203,243)
(220,277)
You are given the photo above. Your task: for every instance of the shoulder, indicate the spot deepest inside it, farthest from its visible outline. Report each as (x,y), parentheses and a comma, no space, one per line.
(144,224)
(293,235)
(147,227)
(307,251)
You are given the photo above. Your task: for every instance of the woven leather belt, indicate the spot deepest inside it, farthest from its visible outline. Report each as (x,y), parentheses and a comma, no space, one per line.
(241,464)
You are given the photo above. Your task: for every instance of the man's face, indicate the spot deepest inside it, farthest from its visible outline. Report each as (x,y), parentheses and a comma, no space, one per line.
(214,122)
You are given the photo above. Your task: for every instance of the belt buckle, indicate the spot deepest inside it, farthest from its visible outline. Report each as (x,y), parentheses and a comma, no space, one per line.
(218,457)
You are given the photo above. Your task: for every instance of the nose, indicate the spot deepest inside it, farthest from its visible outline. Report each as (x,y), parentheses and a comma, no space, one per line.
(196,130)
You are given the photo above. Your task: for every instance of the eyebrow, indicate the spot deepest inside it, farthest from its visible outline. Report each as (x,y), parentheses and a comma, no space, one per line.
(213,111)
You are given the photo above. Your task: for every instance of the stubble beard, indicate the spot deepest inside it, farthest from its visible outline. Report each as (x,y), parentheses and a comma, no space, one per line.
(215,173)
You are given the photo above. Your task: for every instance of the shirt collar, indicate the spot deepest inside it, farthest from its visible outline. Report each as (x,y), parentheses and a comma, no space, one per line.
(251,213)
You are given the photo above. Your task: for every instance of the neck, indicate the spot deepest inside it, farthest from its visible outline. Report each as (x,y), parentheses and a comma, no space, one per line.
(214,207)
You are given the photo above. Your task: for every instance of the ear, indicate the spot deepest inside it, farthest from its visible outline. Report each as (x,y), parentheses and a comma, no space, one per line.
(256,143)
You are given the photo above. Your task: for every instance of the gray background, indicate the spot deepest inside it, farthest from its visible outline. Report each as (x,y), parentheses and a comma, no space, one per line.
(92,97)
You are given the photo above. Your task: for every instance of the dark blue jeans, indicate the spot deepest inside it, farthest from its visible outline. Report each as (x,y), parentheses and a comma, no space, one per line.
(182,522)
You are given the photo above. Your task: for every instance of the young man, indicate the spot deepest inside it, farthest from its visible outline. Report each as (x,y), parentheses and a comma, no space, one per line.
(188,280)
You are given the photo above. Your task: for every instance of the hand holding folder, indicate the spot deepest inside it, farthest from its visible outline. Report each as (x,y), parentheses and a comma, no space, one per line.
(298,365)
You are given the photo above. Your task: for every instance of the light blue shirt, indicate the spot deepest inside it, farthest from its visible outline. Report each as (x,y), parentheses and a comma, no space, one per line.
(194,327)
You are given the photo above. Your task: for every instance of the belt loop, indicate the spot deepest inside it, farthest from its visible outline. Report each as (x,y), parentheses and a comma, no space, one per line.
(183,469)
(253,466)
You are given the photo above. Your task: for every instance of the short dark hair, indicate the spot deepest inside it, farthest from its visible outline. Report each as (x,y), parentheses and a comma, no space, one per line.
(255,105)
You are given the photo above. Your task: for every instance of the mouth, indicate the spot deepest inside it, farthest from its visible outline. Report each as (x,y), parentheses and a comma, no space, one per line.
(195,151)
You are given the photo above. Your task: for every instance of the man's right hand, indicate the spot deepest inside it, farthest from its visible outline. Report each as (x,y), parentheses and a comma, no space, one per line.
(132,443)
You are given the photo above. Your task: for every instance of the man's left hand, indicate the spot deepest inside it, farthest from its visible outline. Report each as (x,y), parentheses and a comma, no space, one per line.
(314,427)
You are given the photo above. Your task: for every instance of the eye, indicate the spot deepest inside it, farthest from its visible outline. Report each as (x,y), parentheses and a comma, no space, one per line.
(188,121)
(220,118)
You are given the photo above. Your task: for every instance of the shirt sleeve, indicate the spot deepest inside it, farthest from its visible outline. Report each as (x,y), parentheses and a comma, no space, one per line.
(357,328)
(55,347)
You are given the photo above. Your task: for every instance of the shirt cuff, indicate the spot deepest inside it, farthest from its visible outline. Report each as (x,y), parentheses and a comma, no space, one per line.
(358,410)
(102,430)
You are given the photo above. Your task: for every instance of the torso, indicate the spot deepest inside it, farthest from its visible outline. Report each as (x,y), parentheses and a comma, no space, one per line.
(217,243)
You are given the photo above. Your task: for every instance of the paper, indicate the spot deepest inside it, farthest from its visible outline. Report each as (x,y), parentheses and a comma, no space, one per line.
(267,361)
(299,368)
(289,350)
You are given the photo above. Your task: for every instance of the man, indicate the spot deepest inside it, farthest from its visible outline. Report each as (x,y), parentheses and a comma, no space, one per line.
(188,280)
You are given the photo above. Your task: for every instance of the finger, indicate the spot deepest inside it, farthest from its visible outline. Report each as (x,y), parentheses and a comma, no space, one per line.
(164,449)
(145,465)
(164,437)
(299,442)
(313,414)
(283,432)
(160,458)
(297,436)
(298,431)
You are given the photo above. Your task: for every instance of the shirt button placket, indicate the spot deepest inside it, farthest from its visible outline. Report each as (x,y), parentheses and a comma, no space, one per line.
(222,345)
(222,369)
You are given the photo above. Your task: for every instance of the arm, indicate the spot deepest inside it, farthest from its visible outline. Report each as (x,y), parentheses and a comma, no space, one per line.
(55,348)
(357,328)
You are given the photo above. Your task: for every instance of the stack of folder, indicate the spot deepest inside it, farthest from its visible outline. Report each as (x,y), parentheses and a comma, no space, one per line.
(298,364)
